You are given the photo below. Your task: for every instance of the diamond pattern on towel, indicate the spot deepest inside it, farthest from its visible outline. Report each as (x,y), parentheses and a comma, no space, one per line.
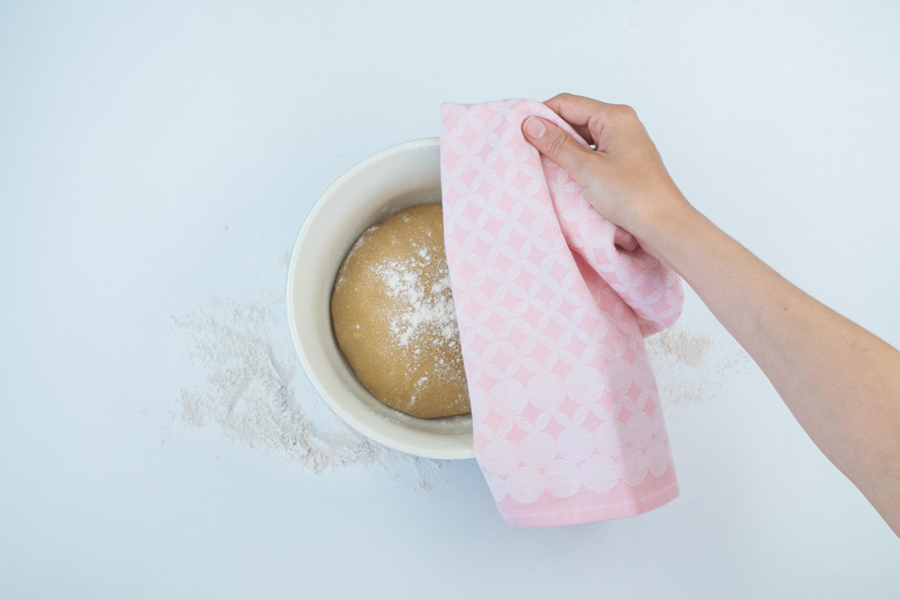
(552,313)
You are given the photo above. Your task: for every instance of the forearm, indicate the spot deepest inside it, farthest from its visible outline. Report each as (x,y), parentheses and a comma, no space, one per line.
(841,382)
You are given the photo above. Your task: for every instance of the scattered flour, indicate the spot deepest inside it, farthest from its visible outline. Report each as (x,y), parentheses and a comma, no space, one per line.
(249,394)
(691,349)
(690,369)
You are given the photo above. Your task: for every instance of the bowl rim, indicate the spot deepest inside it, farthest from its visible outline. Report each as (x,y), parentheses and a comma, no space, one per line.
(362,427)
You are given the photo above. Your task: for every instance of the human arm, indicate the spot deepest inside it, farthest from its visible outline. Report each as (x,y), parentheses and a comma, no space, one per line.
(841,382)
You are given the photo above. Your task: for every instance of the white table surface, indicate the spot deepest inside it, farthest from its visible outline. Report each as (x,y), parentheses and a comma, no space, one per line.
(156,163)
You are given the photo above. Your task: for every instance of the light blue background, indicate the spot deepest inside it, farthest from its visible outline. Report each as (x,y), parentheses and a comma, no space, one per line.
(157,156)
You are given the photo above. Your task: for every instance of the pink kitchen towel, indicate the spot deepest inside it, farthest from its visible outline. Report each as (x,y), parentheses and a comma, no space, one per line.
(553,303)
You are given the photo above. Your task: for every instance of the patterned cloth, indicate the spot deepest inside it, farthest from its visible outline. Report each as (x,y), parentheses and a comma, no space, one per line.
(553,302)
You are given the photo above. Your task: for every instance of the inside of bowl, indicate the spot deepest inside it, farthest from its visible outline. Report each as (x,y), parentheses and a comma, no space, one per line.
(365,196)
(443,425)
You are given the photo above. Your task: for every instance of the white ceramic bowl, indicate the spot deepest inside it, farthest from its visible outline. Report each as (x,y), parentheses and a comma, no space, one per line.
(379,186)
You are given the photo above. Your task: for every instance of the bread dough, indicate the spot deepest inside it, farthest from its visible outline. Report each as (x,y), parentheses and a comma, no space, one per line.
(394,318)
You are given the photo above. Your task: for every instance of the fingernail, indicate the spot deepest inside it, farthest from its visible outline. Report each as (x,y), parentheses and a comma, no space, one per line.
(534,127)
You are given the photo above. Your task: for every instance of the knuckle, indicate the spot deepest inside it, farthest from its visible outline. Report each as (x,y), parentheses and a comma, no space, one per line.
(626,111)
(562,99)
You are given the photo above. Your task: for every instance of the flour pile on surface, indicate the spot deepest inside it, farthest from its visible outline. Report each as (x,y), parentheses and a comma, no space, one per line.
(690,369)
(249,394)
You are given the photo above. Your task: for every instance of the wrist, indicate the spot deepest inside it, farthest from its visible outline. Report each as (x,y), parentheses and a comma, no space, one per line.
(661,225)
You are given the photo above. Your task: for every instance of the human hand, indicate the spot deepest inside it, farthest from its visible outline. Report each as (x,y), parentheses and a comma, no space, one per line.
(624,177)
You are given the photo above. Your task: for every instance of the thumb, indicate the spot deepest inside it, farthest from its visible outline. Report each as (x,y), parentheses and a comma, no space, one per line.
(557,145)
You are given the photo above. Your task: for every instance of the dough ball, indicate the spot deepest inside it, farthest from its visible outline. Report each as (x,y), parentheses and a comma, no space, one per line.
(394,318)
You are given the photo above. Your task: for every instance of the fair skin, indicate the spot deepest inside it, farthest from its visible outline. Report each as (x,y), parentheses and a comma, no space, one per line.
(840,382)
